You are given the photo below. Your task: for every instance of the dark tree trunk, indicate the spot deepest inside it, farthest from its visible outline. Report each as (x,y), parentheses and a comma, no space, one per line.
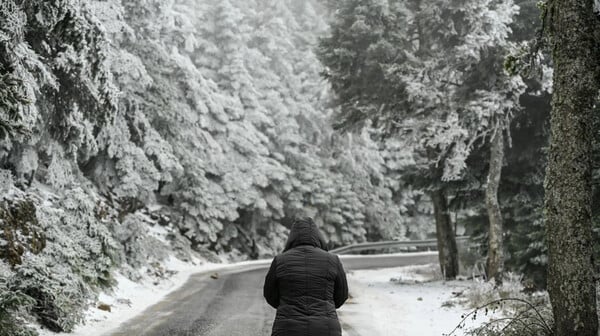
(568,205)
(495,258)
(446,240)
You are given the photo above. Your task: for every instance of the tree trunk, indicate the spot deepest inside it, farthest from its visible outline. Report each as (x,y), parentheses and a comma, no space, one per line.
(495,258)
(568,188)
(446,240)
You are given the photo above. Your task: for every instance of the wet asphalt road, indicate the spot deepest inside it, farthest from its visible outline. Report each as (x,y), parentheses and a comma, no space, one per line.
(232,304)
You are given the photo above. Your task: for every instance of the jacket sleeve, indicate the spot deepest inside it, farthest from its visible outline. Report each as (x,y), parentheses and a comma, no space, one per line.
(270,289)
(340,290)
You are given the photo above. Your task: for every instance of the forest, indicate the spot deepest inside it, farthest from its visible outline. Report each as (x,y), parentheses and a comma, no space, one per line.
(219,122)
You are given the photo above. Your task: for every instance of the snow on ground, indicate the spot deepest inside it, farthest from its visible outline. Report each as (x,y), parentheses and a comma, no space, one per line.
(402,301)
(129,298)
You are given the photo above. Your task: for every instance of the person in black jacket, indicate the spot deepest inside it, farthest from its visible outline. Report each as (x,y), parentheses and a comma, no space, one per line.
(306,284)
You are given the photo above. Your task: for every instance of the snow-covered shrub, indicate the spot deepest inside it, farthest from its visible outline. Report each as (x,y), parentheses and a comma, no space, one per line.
(12,302)
(6,180)
(482,292)
(10,104)
(509,317)
(507,309)
(522,313)
(60,294)
(59,173)
(25,162)
(21,232)
(25,246)
(139,249)
(60,253)
(77,238)
(125,170)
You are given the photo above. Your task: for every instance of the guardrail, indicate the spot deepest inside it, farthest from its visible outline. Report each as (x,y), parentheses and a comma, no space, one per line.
(390,244)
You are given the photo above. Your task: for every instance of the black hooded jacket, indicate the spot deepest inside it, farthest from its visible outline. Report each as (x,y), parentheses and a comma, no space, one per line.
(306,284)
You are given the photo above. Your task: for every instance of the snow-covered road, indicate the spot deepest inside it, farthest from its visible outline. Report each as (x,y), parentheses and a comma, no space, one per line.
(231,303)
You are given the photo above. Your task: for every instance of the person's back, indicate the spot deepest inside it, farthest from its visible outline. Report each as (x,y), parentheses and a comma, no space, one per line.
(306,284)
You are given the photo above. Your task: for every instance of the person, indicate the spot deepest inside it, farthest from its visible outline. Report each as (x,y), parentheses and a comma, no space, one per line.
(306,284)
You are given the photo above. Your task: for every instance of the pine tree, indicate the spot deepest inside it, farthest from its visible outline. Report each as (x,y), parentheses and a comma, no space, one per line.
(208,115)
(411,69)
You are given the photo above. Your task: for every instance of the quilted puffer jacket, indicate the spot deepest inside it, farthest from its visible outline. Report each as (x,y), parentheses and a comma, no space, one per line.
(306,284)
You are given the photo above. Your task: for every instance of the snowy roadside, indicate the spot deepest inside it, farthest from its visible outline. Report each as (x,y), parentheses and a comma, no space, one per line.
(129,298)
(402,301)
(409,300)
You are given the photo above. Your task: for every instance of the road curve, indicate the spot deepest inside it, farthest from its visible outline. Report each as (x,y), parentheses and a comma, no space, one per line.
(232,304)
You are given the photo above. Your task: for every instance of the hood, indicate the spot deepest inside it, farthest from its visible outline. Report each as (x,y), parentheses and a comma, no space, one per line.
(305,232)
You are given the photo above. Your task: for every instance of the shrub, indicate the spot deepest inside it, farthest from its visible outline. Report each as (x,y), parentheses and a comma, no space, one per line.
(510,311)
(11,302)
(528,319)
(20,231)
(61,270)
(482,292)
(59,296)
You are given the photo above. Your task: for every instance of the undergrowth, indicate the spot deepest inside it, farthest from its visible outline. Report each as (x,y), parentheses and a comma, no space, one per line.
(11,302)
(526,319)
(505,310)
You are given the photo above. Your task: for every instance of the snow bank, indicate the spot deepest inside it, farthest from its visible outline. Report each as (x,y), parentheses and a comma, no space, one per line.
(402,301)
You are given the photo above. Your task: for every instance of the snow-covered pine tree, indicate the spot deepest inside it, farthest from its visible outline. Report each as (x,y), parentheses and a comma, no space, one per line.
(211,116)
(407,67)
